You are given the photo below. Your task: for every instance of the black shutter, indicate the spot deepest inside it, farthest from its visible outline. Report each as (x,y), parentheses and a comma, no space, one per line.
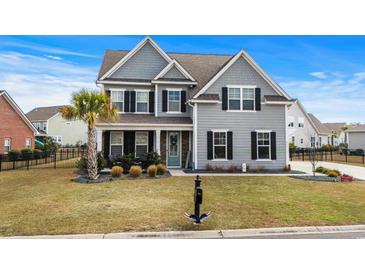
(150,141)
(253,145)
(229,145)
(164,101)
(129,142)
(210,145)
(133,101)
(183,101)
(273,145)
(106,139)
(257,99)
(151,101)
(126,101)
(224,98)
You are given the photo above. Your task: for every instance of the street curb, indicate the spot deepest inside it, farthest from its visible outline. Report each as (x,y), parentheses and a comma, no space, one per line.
(207,234)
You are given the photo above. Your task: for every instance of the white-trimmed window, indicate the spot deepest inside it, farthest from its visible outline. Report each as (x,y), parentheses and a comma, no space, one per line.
(241,98)
(116,143)
(142,98)
(28,143)
(141,144)
(57,139)
(174,101)
(320,141)
(313,141)
(301,140)
(290,121)
(263,146)
(300,122)
(7,145)
(117,97)
(293,139)
(220,145)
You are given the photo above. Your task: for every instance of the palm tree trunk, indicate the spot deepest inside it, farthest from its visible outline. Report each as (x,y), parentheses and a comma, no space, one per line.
(92,167)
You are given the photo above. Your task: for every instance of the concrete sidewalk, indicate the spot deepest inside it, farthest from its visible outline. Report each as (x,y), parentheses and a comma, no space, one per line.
(346,231)
(355,171)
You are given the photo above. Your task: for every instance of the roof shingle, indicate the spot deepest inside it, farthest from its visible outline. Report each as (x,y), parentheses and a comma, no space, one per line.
(42,113)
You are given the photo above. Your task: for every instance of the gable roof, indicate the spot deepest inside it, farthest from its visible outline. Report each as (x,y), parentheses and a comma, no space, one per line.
(174,64)
(356,128)
(43,113)
(132,52)
(205,69)
(334,127)
(18,110)
(322,129)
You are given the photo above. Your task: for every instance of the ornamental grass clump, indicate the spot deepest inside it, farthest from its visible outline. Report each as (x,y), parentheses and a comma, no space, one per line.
(135,171)
(117,171)
(161,169)
(152,170)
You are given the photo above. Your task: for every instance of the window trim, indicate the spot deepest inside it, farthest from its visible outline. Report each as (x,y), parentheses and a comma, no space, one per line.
(110,142)
(257,145)
(241,87)
(226,153)
(148,101)
(30,142)
(7,138)
(111,96)
(135,142)
(168,100)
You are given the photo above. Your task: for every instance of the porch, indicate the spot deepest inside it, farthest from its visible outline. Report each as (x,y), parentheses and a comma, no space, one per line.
(174,145)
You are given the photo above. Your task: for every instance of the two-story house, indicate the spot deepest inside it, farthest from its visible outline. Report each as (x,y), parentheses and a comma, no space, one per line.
(49,122)
(193,109)
(304,129)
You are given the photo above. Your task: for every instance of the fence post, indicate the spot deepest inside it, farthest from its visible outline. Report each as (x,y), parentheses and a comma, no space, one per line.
(346,156)
(67,153)
(55,159)
(331,155)
(73,152)
(28,164)
(61,154)
(303,155)
(362,160)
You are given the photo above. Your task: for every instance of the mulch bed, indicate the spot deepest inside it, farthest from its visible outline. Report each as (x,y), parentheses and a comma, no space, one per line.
(103,178)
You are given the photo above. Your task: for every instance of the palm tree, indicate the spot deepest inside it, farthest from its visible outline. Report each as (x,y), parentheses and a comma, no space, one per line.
(90,106)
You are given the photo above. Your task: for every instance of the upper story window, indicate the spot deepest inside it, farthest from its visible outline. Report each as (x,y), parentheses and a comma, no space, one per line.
(28,143)
(290,121)
(263,145)
(7,145)
(174,101)
(241,98)
(142,101)
(220,145)
(300,122)
(141,144)
(117,97)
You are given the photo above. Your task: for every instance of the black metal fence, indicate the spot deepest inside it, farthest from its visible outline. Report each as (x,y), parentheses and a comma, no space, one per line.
(62,158)
(330,156)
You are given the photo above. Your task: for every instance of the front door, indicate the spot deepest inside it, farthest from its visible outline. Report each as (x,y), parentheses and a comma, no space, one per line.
(173,149)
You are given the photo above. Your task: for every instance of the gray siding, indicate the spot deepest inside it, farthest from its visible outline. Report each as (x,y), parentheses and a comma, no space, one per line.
(241,73)
(211,116)
(173,73)
(145,64)
(161,87)
(356,140)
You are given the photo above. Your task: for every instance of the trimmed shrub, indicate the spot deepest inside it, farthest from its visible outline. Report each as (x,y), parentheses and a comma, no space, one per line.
(135,171)
(161,169)
(117,171)
(14,154)
(232,169)
(37,153)
(152,170)
(82,163)
(125,161)
(150,158)
(320,169)
(333,173)
(26,153)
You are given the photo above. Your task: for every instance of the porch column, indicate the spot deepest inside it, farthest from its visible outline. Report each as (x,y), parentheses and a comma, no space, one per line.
(99,140)
(158,141)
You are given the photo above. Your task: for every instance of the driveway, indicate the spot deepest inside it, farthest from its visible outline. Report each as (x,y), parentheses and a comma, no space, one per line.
(356,171)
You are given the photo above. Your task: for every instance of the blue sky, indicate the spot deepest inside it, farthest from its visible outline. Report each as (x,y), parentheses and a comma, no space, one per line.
(327,73)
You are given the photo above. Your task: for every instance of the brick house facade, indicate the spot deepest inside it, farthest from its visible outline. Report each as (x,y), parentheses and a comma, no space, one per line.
(16,131)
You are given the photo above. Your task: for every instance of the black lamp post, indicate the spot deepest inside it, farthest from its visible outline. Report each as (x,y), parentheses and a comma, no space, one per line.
(198,200)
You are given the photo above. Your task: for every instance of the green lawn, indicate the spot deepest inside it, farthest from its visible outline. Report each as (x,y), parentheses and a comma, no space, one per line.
(46,201)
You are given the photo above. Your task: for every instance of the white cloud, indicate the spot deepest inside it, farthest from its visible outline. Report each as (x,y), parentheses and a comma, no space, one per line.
(336,98)
(35,81)
(54,57)
(319,74)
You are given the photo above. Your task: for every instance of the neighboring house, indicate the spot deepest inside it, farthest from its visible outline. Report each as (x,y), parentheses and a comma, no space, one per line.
(302,130)
(49,122)
(355,135)
(324,134)
(16,131)
(193,109)
(337,134)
